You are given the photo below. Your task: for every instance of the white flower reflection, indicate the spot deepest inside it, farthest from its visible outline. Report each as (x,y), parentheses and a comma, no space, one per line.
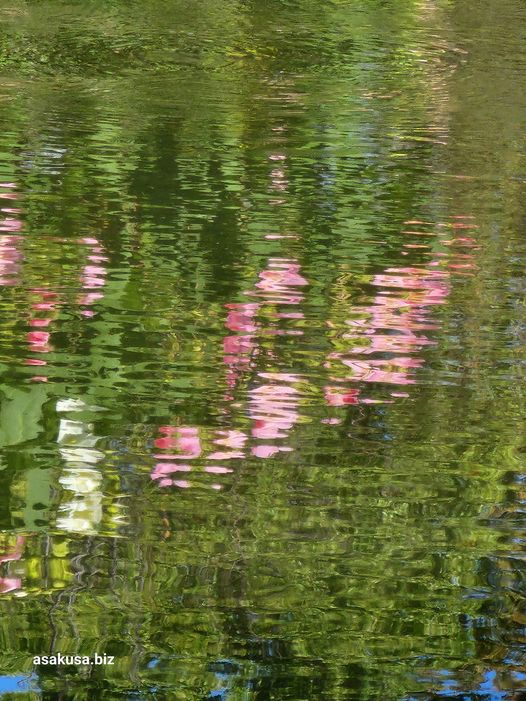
(82,481)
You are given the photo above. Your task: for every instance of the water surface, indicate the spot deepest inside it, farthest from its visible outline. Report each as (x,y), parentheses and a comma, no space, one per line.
(262,339)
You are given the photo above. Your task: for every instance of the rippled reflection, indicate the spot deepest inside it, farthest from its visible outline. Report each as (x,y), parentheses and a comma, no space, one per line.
(395,324)
(262,349)
(272,403)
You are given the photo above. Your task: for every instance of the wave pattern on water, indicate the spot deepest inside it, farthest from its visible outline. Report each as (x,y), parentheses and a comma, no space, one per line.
(262,348)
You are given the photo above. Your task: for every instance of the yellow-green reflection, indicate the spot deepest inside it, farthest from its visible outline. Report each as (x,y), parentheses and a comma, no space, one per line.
(262,349)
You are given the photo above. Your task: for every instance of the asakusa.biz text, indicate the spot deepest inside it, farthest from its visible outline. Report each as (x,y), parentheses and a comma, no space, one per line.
(60,659)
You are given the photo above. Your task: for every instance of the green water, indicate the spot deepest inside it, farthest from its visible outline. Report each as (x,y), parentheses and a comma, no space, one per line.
(262,349)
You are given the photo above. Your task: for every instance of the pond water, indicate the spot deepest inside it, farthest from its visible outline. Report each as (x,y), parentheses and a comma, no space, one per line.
(262,349)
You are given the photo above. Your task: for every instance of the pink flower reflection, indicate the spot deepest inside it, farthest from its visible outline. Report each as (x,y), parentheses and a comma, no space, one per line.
(382,344)
(273,409)
(185,440)
(43,310)
(336,396)
(10,224)
(394,325)
(273,403)
(93,275)
(241,317)
(278,283)
(8,584)
(38,340)
(231,439)
(238,349)
(267,451)
(226,455)
(10,257)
